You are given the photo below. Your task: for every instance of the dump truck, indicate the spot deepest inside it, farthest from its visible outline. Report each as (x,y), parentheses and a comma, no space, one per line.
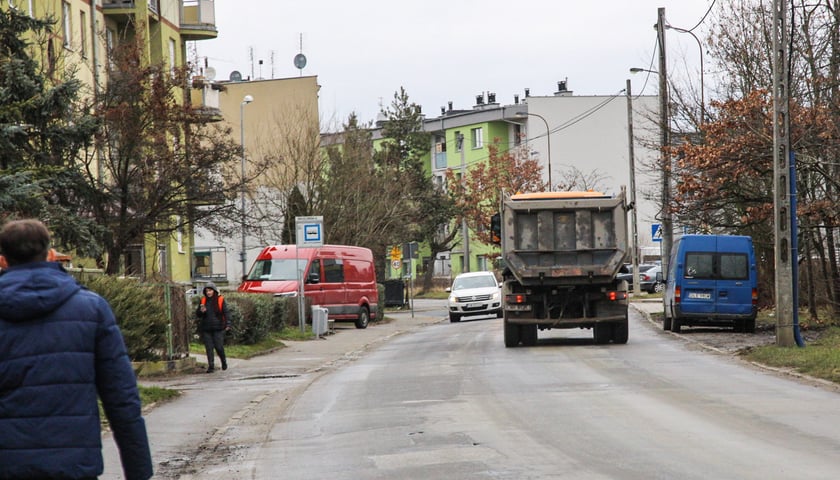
(562,252)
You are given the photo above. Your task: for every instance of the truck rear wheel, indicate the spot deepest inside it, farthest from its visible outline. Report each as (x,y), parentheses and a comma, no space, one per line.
(512,334)
(601,332)
(529,335)
(620,332)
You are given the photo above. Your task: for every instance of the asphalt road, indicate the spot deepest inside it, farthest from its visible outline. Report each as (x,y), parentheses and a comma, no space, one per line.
(449,401)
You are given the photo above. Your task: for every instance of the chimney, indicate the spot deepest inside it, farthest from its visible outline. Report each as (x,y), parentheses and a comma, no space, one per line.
(443,110)
(479,99)
(516,99)
(527,92)
(491,97)
(450,105)
(562,89)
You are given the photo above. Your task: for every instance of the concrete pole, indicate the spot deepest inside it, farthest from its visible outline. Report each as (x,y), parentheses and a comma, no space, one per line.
(664,141)
(784,255)
(634,219)
(465,231)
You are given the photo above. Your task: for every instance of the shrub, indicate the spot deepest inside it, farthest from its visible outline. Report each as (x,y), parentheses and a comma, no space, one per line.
(140,312)
(253,316)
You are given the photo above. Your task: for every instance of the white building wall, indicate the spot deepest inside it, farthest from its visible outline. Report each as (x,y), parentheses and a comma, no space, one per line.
(590,133)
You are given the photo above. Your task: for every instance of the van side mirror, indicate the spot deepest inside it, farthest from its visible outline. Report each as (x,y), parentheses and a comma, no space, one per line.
(313,278)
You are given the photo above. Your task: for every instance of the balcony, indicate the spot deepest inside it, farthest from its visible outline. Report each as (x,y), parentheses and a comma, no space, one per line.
(204,99)
(124,10)
(197,17)
(198,20)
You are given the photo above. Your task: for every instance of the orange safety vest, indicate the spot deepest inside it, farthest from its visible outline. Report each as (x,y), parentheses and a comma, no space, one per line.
(221,300)
(221,310)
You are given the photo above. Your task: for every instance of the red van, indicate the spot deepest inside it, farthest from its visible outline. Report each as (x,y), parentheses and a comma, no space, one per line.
(339,278)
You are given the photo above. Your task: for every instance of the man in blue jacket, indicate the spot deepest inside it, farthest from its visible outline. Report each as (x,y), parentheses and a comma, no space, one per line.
(60,347)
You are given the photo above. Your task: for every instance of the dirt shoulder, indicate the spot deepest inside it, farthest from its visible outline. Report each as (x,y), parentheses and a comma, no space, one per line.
(725,341)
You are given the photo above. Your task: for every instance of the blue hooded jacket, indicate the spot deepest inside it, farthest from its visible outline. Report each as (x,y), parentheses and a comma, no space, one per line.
(60,347)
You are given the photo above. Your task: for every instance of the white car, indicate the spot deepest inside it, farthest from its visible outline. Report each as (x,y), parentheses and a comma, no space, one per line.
(474,293)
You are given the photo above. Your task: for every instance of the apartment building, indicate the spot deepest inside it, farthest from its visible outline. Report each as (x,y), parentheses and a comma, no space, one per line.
(580,137)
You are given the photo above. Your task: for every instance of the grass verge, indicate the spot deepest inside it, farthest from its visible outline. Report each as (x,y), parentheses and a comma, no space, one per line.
(820,359)
(150,395)
(270,344)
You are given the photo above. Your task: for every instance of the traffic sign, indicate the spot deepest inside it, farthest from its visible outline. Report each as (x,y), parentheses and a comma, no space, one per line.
(309,231)
(656,232)
(396,264)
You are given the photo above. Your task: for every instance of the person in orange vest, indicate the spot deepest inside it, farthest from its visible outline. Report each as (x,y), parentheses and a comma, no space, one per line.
(213,317)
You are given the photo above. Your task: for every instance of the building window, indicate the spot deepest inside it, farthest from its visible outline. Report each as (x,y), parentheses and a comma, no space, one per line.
(440,151)
(179,234)
(133,256)
(209,263)
(110,35)
(66,23)
(459,141)
(172,57)
(477,137)
(83,31)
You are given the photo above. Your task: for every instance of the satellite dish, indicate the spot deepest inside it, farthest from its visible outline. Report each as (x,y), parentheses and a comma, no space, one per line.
(235,76)
(300,61)
(210,73)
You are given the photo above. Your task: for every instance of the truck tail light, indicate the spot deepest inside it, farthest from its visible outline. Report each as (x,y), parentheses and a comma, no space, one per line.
(615,295)
(677,294)
(516,298)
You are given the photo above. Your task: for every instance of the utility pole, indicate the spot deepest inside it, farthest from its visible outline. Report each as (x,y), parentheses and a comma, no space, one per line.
(634,219)
(783,214)
(465,231)
(664,141)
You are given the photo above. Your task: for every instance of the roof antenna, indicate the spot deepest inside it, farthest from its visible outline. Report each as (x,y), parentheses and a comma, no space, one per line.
(300,58)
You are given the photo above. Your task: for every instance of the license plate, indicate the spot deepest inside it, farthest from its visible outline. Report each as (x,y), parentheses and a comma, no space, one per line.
(474,305)
(700,296)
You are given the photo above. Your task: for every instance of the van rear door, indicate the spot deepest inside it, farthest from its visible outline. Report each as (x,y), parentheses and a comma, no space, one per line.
(734,282)
(699,288)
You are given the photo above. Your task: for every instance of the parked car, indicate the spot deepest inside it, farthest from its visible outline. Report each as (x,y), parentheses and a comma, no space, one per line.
(627,273)
(474,293)
(652,280)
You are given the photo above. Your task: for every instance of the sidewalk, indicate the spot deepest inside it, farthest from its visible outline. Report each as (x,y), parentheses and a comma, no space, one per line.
(648,305)
(199,418)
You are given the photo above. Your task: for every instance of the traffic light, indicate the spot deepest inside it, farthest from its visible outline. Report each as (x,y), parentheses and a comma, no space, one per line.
(496,228)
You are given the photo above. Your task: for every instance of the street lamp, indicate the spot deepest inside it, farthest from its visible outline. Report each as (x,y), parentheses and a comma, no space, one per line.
(242,255)
(702,88)
(547,139)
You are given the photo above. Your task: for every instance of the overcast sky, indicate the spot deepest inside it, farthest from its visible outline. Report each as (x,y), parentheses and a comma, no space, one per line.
(363,51)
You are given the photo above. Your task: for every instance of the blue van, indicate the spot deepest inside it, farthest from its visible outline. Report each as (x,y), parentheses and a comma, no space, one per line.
(712,280)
